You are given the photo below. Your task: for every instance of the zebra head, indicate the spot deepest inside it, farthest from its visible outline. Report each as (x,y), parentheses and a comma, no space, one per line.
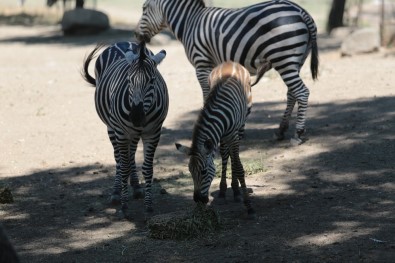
(142,75)
(202,168)
(151,22)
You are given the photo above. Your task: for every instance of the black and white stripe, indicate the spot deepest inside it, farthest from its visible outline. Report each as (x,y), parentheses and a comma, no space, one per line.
(221,121)
(132,100)
(276,34)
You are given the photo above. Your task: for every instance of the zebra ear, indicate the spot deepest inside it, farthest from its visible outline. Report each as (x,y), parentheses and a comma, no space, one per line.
(159,57)
(209,146)
(184,149)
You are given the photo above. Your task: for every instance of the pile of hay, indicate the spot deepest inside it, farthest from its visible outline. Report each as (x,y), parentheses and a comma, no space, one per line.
(199,222)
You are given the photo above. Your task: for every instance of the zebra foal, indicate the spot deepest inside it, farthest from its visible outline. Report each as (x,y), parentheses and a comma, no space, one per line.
(131,98)
(221,121)
(276,34)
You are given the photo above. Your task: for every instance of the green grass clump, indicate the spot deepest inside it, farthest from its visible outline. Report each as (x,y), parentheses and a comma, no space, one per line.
(195,223)
(250,167)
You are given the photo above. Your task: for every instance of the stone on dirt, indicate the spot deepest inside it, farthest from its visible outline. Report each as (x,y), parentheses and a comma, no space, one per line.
(82,21)
(365,40)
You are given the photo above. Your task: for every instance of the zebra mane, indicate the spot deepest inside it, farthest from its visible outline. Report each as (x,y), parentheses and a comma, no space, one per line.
(202,3)
(199,124)
(142,55)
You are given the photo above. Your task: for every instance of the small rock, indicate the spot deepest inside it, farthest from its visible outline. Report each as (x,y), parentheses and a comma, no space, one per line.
(6,196)
(364,40)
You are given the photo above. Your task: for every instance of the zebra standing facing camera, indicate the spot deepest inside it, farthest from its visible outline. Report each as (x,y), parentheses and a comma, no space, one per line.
(132,100)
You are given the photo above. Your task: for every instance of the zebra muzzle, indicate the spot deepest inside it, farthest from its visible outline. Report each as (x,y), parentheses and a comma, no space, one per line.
(137,115)
(199,198)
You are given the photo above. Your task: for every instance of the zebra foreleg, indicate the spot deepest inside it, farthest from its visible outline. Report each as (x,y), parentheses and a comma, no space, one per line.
(138,191)
(149,152)
(124,152)
(116,194)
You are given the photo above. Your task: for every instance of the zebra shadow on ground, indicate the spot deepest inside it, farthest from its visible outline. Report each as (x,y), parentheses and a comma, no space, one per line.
(334,204)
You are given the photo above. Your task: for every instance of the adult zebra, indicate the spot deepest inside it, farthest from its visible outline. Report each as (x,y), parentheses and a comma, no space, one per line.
(278,34)
(131,98)
(221,121)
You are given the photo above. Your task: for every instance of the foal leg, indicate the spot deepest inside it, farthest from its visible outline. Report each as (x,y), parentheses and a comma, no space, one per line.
(238,172)
(224,150)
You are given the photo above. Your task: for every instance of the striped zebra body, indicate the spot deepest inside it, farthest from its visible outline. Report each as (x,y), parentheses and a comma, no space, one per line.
(276,34)
(131,98)
(221,121)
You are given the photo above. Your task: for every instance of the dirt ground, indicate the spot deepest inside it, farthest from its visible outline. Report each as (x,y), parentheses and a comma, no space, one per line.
(331,199)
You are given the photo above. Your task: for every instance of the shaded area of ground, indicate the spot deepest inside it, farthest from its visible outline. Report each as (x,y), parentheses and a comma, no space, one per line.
(335,205)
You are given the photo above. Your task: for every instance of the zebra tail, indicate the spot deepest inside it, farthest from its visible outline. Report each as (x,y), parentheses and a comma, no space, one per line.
(260,72)
(87,60)
(314,59)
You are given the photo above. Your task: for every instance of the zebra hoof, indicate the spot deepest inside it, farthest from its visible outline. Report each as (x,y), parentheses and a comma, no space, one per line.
(115,199)
(221,195)
(296,141)
(221,200)
(124,213)
(237,199)
(279,136)
(149,209)
(138,192)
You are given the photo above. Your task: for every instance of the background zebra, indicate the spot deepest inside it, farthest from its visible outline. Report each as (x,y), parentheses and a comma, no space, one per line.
(221,121)
(132,100)
(277,34)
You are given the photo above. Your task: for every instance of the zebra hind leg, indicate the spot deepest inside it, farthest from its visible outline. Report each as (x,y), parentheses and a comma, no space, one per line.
(238,172)
(224,150)
(284,125)
(297,92)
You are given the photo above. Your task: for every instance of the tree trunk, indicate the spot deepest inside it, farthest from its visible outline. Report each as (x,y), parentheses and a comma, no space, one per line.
(335,18)
(79,4)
